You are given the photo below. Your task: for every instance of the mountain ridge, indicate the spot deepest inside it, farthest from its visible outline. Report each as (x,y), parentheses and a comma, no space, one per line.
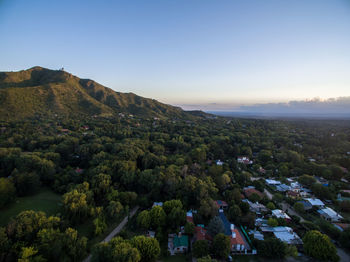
(41,91)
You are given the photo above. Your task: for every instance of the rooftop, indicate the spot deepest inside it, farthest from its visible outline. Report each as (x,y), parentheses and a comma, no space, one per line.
(180,241)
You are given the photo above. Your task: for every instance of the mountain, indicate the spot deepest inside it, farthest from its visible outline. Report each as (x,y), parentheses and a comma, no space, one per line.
(43,92)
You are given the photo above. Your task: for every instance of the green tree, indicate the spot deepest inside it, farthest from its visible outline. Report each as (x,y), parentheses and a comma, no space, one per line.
(158,217)
(100,225)
(200,248)
(221,246)
(271,248)
(114,208)
(148,247)
(189,228)
(319,246)
(206,259)
(307,180)
(144,219)
(299,207)
(29,254)
(254,197)
(75,205)
(26,183)
(7,191)
(74,247)
(272,222)
(271,206)
(171,204)
(117,249)
(215,226)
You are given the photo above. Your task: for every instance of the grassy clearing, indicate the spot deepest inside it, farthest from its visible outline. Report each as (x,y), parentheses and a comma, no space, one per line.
(177,258)
(45,200)
(87,230)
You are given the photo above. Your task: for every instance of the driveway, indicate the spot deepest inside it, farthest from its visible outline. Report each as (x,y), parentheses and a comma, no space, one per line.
(116,230)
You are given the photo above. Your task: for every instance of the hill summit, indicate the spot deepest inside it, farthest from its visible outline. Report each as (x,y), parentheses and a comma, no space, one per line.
(41,92)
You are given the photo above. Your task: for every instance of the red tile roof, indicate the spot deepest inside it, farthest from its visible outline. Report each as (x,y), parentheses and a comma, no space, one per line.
(238,239)
(249,191)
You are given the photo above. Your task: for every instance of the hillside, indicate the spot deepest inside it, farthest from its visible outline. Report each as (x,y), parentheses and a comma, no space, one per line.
(42,92)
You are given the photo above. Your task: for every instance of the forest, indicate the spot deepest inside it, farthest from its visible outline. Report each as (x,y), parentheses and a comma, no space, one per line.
(92,171)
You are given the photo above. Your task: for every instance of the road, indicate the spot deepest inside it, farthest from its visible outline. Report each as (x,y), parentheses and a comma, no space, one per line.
(268,194)
(344,257)
(116,230)
(287,208)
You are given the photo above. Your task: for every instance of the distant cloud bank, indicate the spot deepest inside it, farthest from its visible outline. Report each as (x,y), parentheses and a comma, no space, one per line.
(333,107)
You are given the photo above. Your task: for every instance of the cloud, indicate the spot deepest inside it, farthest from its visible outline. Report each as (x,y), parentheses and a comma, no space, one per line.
(316,107)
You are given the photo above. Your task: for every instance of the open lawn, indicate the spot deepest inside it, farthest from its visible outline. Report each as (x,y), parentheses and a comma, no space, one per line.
(86,229)
(45,200)
(177,258)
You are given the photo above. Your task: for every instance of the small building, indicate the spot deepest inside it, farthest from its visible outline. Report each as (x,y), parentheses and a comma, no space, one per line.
(189,217)
(221,204)
(329,214)
(219,163)
(249,191)
(159,204)
(292,194)
(256,208)
(287,235)
(257,234)
(180,244)
(283,188)
(315,202)
(79,171)
(244,160)
(151,234)
(280,214)
(238,243)
(341,226)
(272,182)
(307,205)
(200,233)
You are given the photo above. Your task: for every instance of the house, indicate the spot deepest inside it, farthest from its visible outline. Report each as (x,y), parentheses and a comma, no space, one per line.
(189,217)
(180,244)
(256,208)
(160,204)
(257,234)
(244,160)
(307,205)
(329,214)
(200,233)
(79,171)
(238,243)
(287,235)
(293,194)
(315,202)
(221,204)
(283,188)
(280,214)
(151,234)
(219,163)
(272,182)
(248,191)
(295,186)
(261,170)
(341,226)
(65,130)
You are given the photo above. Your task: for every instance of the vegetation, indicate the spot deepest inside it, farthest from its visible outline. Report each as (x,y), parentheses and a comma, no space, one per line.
(319,246)
(86,156)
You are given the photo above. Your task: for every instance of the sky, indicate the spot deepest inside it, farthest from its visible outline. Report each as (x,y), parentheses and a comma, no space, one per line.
(193,53)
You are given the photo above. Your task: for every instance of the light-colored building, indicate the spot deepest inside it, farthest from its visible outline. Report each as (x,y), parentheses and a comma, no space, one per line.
(280,214)
(329,214)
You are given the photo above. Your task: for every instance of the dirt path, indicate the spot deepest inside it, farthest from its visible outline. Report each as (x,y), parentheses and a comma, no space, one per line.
(116,230)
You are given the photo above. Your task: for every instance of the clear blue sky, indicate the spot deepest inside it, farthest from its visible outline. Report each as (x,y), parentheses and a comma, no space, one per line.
(187,52)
